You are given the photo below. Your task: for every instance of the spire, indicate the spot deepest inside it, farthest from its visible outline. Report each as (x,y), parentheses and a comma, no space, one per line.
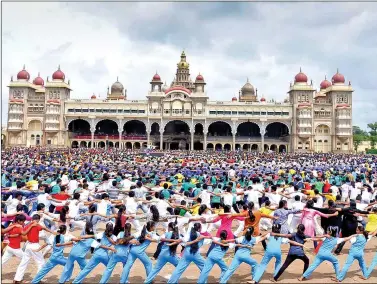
(59,67)
(39,74)
(300,70)
(325,77)
(337,70)
(247,80)
(117,79)
(24,67)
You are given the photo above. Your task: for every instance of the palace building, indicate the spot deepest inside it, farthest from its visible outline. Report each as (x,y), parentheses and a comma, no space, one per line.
(181,116)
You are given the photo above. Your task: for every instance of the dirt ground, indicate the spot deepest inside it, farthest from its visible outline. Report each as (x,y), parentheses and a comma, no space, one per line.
(322,275)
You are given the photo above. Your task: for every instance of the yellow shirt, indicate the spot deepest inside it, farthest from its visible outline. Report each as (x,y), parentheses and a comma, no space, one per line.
(310,192)
(265,210)
(195,209)
(372,223)
(330,197)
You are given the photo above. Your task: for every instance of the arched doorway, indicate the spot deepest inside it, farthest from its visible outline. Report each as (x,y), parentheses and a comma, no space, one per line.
(248,129)
(282,149)
(322,139)
(107,127)
(227,147)
(246,147)
(155,129)
(277,130)
(3,140)
(176,135)
(273,147)
(128,145)
(78,127)
(110,144)
(198,146)
(75,144)
(209,146)
(198,129)
(83,144)
(34,133)
(266,148)
(137,145)
(219,128)
(254,147)
(218,147)
(101,144)
(134,128)
(237,147)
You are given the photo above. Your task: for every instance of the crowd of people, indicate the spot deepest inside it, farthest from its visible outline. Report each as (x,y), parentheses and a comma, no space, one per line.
(106,207)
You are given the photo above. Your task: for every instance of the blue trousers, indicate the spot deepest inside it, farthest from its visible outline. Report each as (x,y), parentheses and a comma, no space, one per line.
(208,265)
(239,258)
(50,264)
(162,260)
(130,261)
(68,268)
(184,263)
(263,265)
(318,260)
(372,266)
(114,259)
(351,257)
(93,262)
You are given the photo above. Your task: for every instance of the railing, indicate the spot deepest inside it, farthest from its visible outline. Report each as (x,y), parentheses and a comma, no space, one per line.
(110,137)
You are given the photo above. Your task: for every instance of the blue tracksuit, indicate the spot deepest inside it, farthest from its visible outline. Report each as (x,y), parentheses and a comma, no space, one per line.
(56,258)
(356,252)
(100,255)
(137,252)
(185,261)
(214,257)
(164,258)
(372,266)
(242,255)
(120,256)
(324,253)
(78,253)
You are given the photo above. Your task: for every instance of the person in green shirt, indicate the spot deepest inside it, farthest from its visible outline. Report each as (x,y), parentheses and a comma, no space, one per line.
(56,188)
(319,185)
(165,191)
(216,200)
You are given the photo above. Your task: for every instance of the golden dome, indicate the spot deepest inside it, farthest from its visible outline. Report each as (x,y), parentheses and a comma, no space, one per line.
(183,64)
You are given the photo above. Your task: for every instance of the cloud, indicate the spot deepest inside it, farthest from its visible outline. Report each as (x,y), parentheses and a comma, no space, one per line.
(226,42)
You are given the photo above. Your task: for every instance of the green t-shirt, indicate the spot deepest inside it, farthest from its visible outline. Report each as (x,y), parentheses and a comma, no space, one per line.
(319,186)
(55,189)
(216,199)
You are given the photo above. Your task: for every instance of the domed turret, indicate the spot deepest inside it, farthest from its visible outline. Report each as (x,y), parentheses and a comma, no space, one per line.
(301,77)
(93,97)
(156,77)
(338,78)
(248,88)
(58,75)
(38,80)
(325,84)
(117,87)
(23,75)
(234,99)
(263,100)
(183,64)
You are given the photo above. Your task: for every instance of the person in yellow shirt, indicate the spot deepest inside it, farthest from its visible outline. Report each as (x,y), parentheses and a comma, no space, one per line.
(265,223)
(329,196)
(372,220)
(195,208)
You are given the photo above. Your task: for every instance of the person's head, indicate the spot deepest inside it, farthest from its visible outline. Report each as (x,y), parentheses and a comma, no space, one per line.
(61,231)
(19,208)
(131,194)
(36,218)
(20,219)
(227,208)
(249,233)
(301,229)
(76,196)
(18,196)
(310,204)
(202,209)
(276,228)
(283,204)
(149,227)
(155,213)
(109,230)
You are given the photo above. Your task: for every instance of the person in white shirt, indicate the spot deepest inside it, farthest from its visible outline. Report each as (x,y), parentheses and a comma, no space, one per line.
(131,209)
(252,196)
(72,185)
(231,173)
(334,189)
(345,189)
(273,196)
(13,202)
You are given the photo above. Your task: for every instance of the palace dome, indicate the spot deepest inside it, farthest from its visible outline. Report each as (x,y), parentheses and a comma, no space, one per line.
(23,75)
(301,77)
(325,84)
(247,88)
(38,81)
(156,77)
(234,99)
(338,78)
(117,87)
(262,99)
(93,97)
(58,75)
(199,78)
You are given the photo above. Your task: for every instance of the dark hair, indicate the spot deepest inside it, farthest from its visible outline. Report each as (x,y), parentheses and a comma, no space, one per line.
(223,236)
(131,194)
(20,217)
(89,228)
(174,236)
(155,213)
(19,207)
(109,230)
(126,235)
(276,229)
(202,209)
(36,217)
(309,204)
(118,221)
(301,230)
(282,203)
(251,214)
(63,213)
(362,230)
(61,231)
(146,227)
(249,233)
(193,236)
(227,208)
(332,231)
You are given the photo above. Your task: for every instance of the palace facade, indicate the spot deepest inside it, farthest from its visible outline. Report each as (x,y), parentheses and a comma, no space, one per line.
(181,116)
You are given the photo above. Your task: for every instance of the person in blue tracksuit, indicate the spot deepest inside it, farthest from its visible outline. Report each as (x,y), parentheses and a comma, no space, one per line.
(374,261)
(101,254)
(124,240)
(273,250)
(325,252)
(167,253)
(215,257)
(78,253)
(147,236)
(57,257)
(358,242)
(193,241)
(245,244)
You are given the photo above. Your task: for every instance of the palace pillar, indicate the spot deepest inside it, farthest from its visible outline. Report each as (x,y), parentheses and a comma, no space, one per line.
(192,140)
(262,133)
(161,141)
(205,141)
(92,144)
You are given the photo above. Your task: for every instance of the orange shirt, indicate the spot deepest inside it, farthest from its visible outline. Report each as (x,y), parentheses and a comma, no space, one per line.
(255,224)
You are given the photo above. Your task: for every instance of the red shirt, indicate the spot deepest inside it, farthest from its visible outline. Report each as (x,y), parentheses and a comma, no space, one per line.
(60,196)
(33,235)
(15,242)
(326,187)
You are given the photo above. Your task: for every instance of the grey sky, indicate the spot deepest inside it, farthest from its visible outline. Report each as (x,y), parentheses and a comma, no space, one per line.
(226,42)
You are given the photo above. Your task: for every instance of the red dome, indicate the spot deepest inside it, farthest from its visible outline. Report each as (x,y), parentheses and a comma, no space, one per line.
(199,78)
(338,78)
(58,75)
(325,84)
(262,99)
(23,75)
(156,77)
(301,78)
(234,99)
(38,81)
(93,97)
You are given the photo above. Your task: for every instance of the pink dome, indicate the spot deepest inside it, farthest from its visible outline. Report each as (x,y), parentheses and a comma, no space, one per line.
(23,75)
(234,99)
(262,99)
(325,84)
(93,97)
(38,81)
(338,78)
(156,77)
(199,78)
(58,75)
(301,78)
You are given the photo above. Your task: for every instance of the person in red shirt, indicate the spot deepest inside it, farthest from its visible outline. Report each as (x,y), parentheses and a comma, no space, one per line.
(326,186)
(62,196)
(14,233)
(31,249)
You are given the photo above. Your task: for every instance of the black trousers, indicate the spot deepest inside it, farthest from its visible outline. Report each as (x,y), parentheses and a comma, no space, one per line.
(235,207)
(291,258)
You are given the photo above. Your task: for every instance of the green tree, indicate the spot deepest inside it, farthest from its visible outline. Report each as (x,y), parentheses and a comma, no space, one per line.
(373,140)
(356,130)
(373,127)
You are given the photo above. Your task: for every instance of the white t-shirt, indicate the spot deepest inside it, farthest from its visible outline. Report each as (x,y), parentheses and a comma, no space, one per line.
(162,207)
(206,198)
(274,198)
(334,190)
(131,205)
(252,196)
(74,206)
(42,198)
(72,185)
(228,199)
